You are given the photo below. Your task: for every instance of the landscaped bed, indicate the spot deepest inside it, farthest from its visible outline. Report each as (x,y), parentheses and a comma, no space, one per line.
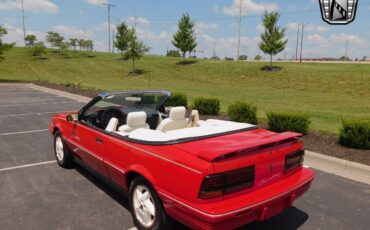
(315,141)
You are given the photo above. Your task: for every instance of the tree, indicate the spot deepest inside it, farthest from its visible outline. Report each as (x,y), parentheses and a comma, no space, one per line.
(173,53)
(81,43)
(55,39)
(258,57)
(184,39)
(135,48)
(273,37)
(122,37)
(30,40)
(39,49)
(89,45)
(3,46)
(64,46)
(73,42)
(243,57)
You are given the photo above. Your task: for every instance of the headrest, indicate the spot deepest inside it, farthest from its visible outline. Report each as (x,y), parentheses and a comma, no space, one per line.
(136,118)
(177,113)
(194,113)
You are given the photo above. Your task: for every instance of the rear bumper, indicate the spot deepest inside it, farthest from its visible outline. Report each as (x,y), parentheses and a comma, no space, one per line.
(258,205)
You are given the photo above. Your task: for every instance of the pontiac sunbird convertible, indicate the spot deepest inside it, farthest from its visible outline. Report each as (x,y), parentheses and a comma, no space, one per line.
(206,174)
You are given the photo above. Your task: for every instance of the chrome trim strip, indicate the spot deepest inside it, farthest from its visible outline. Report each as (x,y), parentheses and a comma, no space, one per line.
(82,148)
(115,167)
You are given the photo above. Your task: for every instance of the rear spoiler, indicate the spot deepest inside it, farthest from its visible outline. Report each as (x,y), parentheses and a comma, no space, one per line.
(253,145)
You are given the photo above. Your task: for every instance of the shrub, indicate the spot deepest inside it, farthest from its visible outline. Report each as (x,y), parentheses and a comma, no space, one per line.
(177,99)
(173,53)
(207,106)
(243,112)
(288,121)
(355,134)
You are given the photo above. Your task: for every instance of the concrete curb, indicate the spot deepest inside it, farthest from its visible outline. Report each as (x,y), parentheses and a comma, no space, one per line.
(60,93)
(343,168)
(347,169)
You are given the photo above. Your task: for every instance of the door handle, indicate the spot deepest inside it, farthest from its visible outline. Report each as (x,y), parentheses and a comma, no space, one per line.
(98,140)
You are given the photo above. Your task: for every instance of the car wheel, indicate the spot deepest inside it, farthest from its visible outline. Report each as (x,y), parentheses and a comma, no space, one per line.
(62,155)
(146,207)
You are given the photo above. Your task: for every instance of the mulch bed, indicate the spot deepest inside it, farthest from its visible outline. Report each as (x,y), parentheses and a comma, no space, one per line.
(314,141)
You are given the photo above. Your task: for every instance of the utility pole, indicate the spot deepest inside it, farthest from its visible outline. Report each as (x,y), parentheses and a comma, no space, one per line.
(135,22)
(296,48)
(214,50)
(347,58)
(240,22)
(24,24)
(109,7)
(300,60)
(113,37)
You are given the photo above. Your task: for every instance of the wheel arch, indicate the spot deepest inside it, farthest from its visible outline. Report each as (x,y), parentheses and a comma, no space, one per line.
(139,170)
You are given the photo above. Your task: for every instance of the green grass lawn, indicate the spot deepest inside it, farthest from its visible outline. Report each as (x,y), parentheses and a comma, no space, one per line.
(328,92)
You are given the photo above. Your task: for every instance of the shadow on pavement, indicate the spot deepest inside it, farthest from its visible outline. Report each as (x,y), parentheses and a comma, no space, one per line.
(291,218)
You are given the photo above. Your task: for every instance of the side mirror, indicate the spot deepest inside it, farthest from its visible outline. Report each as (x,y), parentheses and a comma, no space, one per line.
(71,117)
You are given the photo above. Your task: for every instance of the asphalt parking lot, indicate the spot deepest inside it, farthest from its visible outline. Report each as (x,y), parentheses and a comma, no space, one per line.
(37,194)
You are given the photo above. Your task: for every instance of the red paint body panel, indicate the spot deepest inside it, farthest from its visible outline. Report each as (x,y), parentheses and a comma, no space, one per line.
(176,171)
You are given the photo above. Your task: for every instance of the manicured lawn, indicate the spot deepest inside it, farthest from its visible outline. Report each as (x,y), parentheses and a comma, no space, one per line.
(328,92)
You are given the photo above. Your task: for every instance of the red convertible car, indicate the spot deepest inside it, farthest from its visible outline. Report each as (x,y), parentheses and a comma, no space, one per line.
(210,174)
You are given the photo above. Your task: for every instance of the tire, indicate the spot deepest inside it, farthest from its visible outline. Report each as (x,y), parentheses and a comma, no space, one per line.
(61,152)
(141,207)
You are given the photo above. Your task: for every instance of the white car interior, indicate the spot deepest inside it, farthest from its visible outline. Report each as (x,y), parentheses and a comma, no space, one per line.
(112,125)
(175,127)
(176,120)
(143,116)
(135,120)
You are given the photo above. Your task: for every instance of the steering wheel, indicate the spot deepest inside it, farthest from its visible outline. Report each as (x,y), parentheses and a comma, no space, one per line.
(109,114)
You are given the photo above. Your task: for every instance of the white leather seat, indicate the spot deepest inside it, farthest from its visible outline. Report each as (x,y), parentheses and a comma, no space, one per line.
(194,119)
(135,120)
(112,125)
(176,120)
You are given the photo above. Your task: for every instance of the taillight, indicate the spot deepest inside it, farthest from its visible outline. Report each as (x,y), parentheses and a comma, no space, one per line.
(293,161)
(224,183)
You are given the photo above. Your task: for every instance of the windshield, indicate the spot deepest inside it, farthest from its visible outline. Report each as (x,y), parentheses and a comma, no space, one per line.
(131,101)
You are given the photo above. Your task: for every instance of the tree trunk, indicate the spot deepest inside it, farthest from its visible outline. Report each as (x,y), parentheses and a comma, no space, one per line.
(183,56)
(133,64)
(270,61)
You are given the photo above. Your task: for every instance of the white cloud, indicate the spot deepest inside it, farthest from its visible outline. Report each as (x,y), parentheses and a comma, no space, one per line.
(151,36)
(308,27)
(30,5)
(71,32)
(316,38)
(96,2)
(343,37)
(249,7)
(201,26)
(260,27)
(15,34)
(104,26)
(139,20)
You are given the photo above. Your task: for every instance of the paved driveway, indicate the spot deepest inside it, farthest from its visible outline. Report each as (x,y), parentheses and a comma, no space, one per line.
(37,194)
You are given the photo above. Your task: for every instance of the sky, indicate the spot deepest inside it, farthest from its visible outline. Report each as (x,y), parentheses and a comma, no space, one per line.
(216,23)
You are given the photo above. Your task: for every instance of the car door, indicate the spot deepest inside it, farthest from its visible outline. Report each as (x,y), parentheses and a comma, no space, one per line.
(90,146)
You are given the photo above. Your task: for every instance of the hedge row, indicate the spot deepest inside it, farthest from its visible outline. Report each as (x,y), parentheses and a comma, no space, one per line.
(354,133)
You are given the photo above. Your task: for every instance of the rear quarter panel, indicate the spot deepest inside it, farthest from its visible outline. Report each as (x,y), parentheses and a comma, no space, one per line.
(170,170)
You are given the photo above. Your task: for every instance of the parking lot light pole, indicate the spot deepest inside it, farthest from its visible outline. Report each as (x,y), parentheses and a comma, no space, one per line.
(300,59)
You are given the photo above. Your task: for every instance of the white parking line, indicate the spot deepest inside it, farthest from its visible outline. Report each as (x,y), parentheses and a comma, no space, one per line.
(27,165)
(24,132)
(30,114)
(43,103)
